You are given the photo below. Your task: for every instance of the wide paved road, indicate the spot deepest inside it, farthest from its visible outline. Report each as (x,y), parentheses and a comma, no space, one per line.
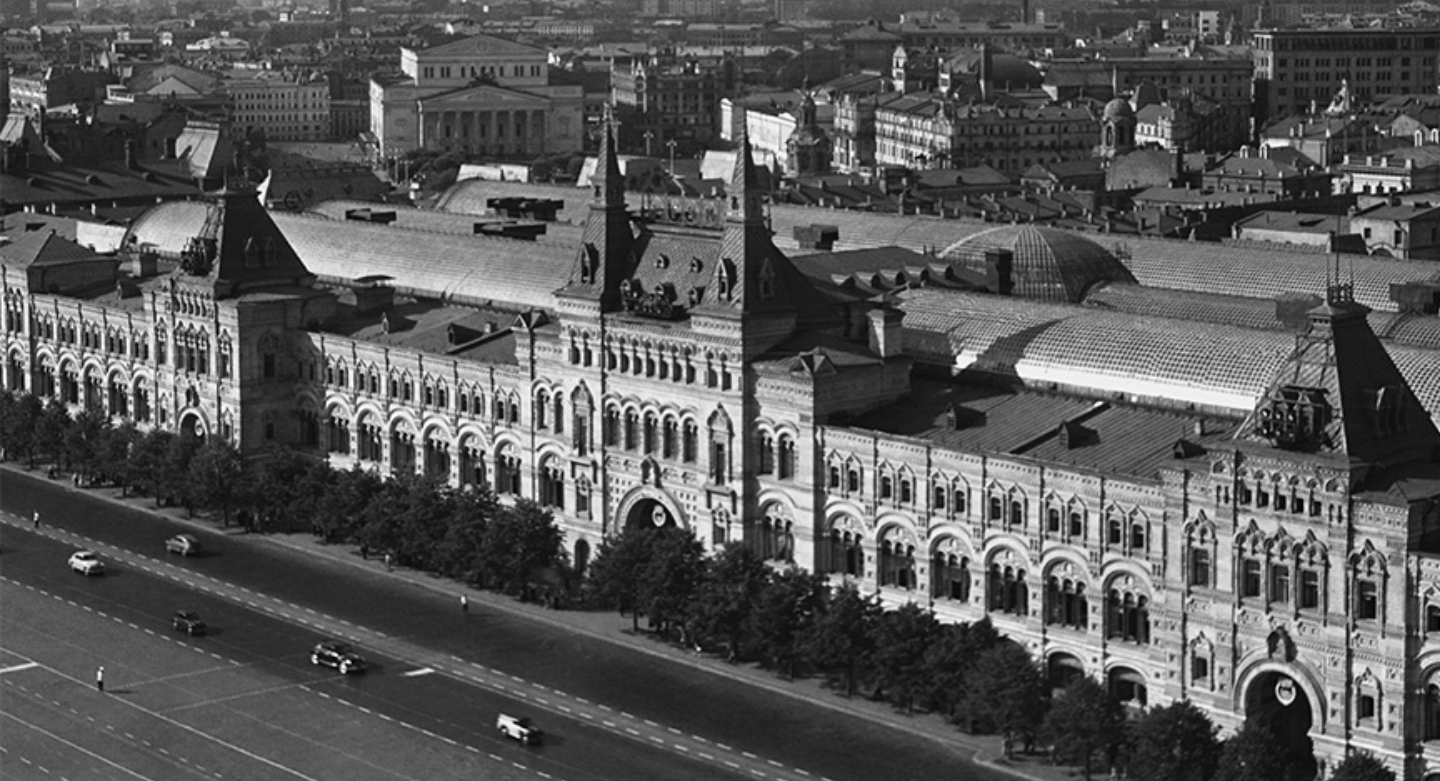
(577,685)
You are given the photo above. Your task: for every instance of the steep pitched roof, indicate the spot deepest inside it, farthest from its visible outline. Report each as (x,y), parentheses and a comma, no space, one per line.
(239,249)
(1339,393)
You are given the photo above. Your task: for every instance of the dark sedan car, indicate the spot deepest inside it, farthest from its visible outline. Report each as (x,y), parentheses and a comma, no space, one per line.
(188,621)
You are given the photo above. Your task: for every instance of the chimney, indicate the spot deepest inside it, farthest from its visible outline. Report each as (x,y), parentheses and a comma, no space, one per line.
(886,335)
(999,271)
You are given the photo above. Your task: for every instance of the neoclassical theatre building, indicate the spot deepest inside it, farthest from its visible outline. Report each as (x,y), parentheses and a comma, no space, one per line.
(1245,518)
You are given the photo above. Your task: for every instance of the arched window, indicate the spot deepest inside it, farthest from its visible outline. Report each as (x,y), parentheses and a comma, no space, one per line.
(785,461)
(1127,615)
(507,470)
(1065,603)
(950,575)
(552,484)
(542,409)
(766,447)
(1008,591)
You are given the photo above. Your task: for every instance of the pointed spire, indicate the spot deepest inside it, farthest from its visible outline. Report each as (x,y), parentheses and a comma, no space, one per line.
(608,183)
(744,189)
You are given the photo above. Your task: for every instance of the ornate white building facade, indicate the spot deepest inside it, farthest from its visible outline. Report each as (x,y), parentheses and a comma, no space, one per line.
(1285,556)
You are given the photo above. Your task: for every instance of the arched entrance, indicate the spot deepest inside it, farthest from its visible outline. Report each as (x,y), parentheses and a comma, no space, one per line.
(1279,703)
(1128,686)
(1062,669)
(650,513)
(192,426)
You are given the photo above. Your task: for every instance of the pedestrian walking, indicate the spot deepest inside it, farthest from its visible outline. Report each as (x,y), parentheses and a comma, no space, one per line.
(464,604)
(36,519)
(100,678)
(387,562)
(364,551)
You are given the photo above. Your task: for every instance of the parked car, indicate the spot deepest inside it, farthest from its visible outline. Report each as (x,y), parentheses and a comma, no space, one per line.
(86,563)
(332,653)
(188,621)
(521,729)
(183,544)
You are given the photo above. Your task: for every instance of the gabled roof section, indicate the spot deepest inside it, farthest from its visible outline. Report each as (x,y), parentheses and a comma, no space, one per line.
(478,46)
(240,249)
(751,276)
(42,248)
(1340,394)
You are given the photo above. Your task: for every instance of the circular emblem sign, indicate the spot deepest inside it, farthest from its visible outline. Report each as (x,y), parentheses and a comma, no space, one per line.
(1285,691)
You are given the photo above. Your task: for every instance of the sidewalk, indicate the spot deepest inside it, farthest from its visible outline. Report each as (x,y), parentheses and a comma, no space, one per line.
(612,628)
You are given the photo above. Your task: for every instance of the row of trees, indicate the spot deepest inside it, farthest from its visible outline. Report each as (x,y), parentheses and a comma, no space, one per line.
(466,535)
(792,622)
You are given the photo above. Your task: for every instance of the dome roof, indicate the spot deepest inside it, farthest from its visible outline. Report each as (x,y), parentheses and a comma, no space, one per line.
(1119,108)
(1049,264)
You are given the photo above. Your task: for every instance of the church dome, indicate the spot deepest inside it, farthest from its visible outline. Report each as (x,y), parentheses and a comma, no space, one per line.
(1119,108)
(1049,264)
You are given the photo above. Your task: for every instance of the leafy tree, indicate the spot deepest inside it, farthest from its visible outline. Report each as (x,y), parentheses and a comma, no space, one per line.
(613,579)
(1362,766)
(1085,719)
(148,460)
(949,660)
(50,431)
(902,638)
(843,638)
(519,541)
(468,517)
(784,615)
(217,478)
(670,578)
(1250,755)
(342,513)
(1004,692)
(115,449)
(83,440)
(18,427)
(1176,742)
(727,594)
(279,475)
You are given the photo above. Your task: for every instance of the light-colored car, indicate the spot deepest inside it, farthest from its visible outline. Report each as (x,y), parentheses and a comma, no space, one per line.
(183,544)
(86,562)
(519,729)
(332,653)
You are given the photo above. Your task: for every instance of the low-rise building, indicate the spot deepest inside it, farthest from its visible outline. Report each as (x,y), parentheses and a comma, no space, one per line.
(671,99)
(925,131)
(1397,171)
(1252,171)
(1407,231)
(284,106)
(1324,139)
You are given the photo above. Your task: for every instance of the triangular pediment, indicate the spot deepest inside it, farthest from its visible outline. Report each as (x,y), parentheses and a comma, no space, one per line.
(486,96)
(479,46)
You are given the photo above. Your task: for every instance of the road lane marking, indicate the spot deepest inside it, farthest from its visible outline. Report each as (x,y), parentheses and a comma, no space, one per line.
(421,671)
(74,746)
(17,668)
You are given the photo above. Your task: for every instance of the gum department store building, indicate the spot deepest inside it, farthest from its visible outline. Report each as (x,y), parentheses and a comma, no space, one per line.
(1185,506)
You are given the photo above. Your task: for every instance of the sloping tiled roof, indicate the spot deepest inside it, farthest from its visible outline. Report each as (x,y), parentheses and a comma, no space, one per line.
(91,184)
(41,248)
(479,45)
(507,271)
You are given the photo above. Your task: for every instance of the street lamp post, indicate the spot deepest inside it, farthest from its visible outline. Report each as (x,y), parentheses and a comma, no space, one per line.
(649,136)
(671,144)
